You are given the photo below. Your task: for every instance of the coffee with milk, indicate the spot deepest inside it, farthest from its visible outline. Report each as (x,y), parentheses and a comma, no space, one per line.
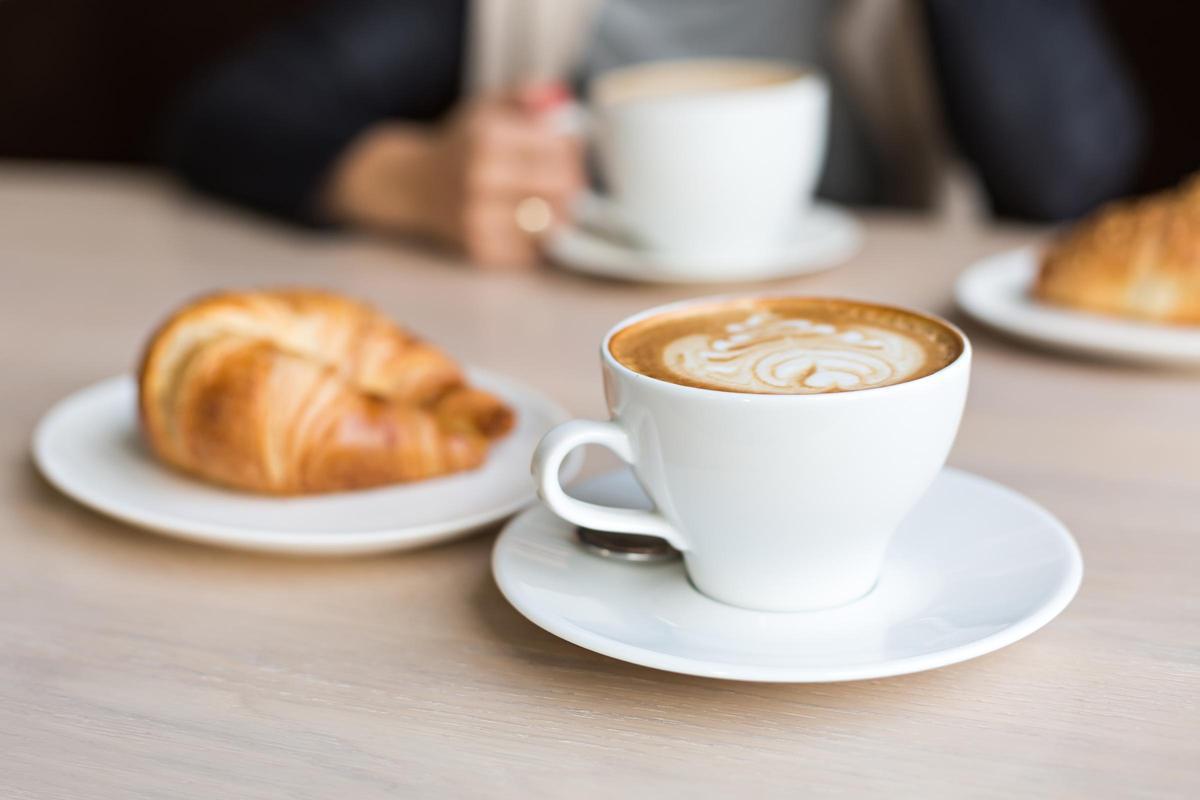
(786,346)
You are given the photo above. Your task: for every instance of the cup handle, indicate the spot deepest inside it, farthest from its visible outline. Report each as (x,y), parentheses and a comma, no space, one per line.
(554,448)
(592,209)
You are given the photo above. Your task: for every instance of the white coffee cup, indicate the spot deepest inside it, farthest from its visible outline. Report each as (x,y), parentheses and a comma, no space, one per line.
(779,502)
(714,157)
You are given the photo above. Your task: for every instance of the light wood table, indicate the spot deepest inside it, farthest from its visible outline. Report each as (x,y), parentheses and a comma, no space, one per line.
(132,665)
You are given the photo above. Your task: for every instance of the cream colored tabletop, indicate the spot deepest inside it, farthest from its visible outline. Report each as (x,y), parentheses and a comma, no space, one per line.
(132,665)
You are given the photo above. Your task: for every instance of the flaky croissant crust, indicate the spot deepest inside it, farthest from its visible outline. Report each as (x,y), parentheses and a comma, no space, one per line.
(297,391)
(1138,258)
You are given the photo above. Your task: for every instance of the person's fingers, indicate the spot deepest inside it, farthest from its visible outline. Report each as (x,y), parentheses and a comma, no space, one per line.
(562,207)
(559,186)
(491,236)
(495,252)
(509,182)
(542,97)
(555,170)
(550,152)
(510,156)
(513,130)
(506,135)
(558,183)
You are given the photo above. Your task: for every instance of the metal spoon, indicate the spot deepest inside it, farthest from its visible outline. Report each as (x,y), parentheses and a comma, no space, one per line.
(626,546)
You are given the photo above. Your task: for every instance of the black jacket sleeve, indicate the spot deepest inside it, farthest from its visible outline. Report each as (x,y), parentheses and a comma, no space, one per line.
(264,127)
(1039,101)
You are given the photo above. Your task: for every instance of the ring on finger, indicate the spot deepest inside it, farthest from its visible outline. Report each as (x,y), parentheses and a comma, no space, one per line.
(533,215)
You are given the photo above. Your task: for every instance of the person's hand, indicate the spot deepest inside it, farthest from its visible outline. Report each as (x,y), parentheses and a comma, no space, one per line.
(507,176)
(491,179)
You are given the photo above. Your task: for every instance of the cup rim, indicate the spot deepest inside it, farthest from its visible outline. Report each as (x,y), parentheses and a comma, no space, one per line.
(608,358)
(800,74)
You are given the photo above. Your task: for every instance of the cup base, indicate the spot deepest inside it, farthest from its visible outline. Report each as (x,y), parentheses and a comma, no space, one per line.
(787,608)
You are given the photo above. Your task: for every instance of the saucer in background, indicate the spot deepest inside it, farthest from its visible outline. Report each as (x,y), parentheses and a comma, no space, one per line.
(997,292)
(89,447)
(595,243)
(974,568)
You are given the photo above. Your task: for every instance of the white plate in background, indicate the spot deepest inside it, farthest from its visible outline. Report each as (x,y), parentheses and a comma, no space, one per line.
(594,244)
(89,447)
(997,292)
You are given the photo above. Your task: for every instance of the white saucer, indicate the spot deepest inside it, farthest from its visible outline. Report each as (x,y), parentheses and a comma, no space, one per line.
(88,446)
(823,237)
(996,291)
(974,568)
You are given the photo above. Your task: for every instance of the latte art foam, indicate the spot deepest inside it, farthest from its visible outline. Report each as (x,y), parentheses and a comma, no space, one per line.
(768,354)
(787,346)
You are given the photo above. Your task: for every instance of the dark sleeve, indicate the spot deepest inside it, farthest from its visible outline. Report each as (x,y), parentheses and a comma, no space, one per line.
(264,127)
(1038,100)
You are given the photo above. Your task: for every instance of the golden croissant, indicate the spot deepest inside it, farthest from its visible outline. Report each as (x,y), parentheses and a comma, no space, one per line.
(290,392)
(1138,258)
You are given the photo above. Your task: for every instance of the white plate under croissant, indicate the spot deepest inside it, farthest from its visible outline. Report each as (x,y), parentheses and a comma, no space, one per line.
(1122,283)
(296,421)
(998,291)
(89,446)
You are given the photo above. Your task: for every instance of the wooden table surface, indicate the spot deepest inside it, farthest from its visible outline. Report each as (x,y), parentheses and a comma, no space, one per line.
(134,666)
